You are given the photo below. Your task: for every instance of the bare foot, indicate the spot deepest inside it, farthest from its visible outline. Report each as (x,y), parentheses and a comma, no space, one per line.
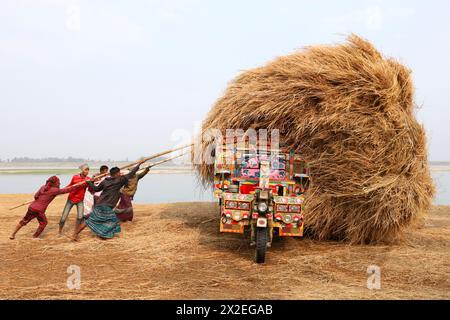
(37,239)
(74,238)
(12,237)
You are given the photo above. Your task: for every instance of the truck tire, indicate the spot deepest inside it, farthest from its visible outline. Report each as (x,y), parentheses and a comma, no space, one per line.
(261,244)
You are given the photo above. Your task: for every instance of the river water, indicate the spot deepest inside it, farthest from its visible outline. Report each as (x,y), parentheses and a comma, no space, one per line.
(167,188)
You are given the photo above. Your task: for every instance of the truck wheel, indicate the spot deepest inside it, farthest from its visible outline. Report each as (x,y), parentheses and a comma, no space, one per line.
(261,244)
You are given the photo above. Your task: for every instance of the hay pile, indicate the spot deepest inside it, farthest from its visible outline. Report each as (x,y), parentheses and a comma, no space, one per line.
(350,112)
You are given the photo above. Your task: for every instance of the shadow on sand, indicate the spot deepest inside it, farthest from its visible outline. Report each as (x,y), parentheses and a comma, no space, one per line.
(205,219)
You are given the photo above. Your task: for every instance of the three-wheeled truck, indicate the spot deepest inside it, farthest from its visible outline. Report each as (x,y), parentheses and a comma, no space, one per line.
(261,189)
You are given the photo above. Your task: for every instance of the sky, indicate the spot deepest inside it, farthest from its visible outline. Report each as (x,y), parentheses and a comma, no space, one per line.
(107,79)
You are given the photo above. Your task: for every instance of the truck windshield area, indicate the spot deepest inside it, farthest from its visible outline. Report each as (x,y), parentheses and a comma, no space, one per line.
(249,165)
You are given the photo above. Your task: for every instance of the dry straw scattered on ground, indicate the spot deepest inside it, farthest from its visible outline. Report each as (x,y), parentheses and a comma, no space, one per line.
(350,112)
(175,251)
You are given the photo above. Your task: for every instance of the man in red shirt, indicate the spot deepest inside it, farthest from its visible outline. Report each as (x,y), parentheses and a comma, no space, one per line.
(37,209)
(76,197)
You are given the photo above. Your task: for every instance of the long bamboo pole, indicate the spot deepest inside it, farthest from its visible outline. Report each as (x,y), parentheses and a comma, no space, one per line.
(123,168)
(152,157)
(161,162)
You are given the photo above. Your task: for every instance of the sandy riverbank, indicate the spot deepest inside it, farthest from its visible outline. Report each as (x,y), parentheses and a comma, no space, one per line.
(174,251)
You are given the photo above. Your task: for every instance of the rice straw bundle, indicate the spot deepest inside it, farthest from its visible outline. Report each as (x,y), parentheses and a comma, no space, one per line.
(350,112)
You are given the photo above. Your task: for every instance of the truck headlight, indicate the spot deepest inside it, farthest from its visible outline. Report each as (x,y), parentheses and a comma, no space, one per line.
(231,204)
(262,207)
(244,205)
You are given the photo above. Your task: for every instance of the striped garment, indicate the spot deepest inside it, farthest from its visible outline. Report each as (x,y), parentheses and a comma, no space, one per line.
(103,222)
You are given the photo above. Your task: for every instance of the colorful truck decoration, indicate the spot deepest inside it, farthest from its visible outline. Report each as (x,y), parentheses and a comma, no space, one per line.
(263,190)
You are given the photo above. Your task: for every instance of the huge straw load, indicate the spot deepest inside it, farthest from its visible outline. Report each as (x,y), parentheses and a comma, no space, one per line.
(350,112)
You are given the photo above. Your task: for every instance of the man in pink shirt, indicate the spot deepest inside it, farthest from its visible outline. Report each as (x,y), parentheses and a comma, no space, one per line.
(42,199)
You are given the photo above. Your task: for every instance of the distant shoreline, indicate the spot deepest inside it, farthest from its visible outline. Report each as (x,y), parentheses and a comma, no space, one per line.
(59,170)
(159,170)
(440,168)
